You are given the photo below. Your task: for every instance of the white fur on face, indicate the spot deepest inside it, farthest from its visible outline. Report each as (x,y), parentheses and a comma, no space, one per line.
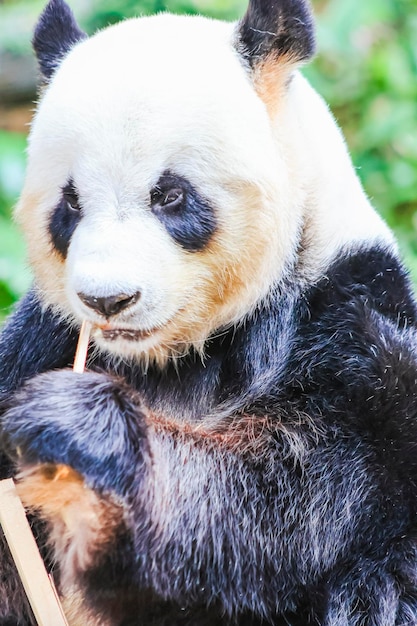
(170,93)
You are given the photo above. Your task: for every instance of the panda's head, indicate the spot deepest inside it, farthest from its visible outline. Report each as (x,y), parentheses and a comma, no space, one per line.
(157,201)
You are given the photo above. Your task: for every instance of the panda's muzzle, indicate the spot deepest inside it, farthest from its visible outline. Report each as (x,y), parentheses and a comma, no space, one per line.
(110,305)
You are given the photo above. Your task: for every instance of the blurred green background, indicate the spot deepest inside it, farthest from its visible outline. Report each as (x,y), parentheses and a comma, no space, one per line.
(366,69)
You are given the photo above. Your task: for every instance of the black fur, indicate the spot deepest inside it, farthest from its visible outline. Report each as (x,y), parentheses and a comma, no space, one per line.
(281,28)
(65,219)
(55,34)
(191,220)
(20,356)
(33,340)
(305,516)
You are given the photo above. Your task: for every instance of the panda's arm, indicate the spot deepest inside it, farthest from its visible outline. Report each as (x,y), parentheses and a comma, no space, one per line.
(33,340)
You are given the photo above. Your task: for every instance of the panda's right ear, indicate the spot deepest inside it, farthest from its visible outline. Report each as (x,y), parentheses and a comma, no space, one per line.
(55,34)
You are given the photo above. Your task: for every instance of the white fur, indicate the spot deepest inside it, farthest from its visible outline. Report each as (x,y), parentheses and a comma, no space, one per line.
(171,93)
(337,210)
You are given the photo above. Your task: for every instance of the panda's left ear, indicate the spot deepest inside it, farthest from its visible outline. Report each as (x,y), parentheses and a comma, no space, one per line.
(55,34)
(275,36)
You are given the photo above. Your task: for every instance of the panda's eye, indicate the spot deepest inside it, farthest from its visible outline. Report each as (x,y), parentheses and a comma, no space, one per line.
(71,197)
(167,199)
(186,215)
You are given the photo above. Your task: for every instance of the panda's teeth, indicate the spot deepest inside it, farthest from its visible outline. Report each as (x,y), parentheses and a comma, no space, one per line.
(125,333)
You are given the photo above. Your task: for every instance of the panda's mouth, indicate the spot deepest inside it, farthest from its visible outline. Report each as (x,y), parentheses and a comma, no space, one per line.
(129,334)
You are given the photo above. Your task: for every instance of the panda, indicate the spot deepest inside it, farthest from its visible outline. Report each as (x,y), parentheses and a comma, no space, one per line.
(241,450)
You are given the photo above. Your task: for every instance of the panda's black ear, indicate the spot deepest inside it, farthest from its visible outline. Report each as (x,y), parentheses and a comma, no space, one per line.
(55,34)
(280,30)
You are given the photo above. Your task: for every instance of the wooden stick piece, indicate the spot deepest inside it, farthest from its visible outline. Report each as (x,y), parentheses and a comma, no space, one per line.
(82,347)
(43,600)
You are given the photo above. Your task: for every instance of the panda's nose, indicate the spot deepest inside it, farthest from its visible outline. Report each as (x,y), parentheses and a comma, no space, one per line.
(110,305)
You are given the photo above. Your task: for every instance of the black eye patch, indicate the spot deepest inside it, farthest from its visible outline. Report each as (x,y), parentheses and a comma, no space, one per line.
(65,218)
(187,216)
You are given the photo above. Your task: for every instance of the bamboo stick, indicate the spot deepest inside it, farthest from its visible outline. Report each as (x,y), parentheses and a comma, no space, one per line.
(82,347)
(39,590)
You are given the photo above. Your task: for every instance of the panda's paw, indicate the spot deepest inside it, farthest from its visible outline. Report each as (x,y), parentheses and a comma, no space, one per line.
(93,423)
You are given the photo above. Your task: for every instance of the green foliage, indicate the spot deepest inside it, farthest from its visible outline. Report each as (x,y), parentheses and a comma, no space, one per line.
(110,11)
(14,277)
(366,69)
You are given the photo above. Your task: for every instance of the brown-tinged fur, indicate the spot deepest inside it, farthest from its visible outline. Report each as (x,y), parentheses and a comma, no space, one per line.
(271,82)
(45,262)
(78,614)
(238,275)
(246,435)
(82,524)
